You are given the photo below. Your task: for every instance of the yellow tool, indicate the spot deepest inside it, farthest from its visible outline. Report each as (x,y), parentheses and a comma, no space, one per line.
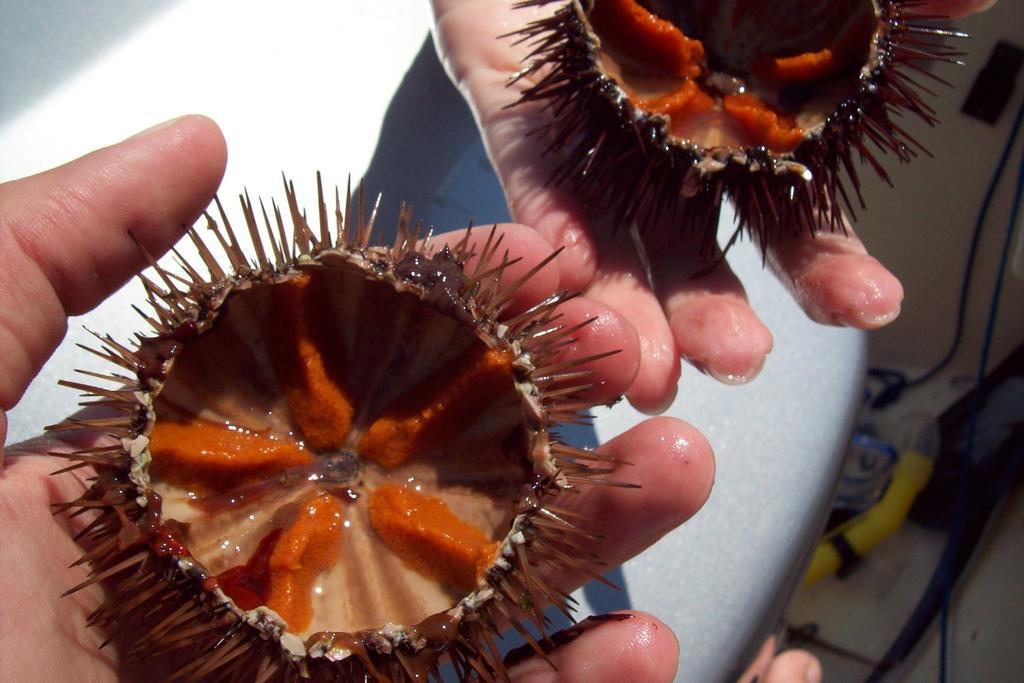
(864,532)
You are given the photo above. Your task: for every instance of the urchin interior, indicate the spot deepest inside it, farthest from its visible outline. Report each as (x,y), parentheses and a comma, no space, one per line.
(736,73)
(339,451)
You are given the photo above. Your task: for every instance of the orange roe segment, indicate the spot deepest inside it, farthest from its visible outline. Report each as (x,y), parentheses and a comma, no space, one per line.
(439,408)
(305,549)
(802,68)
(687,101)
(647,38)
(424,532)
(207,456)
(764,126)
(319,404)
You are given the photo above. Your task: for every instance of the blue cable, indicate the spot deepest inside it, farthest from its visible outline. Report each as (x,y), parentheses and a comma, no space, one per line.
(896,382)
(975,239)
(976,398)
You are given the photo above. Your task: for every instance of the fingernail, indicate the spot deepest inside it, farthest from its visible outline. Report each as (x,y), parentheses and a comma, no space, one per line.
(866,296)
(813,672)
(730,378)
(880,297)
(158,127)
(737,378)
(880,320)
(723,338)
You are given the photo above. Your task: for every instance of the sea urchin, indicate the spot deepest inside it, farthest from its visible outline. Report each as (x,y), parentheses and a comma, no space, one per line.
(658,109)
(334,461)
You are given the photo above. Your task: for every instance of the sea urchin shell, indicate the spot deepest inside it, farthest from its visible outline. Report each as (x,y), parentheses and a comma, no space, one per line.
(334,461)
(660,108)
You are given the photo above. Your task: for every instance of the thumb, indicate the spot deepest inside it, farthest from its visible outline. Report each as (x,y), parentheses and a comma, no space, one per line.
(65,237)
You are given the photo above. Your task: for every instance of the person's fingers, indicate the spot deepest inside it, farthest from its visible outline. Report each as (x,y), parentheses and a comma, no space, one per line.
(600,330)
(952,8)
(623,646)
(532,270)
(66,235)
(654,386)
(835,280)
(466,33)
(794,666)
(622,284)
(713,325)
(672,463)
(592,328)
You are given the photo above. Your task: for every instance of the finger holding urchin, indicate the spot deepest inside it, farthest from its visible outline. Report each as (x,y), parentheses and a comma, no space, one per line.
(530,271)
(835,280)
(671,462)
(621,646)
(622,284)
(713,324)
(38,561)
(601,333)
(586,327)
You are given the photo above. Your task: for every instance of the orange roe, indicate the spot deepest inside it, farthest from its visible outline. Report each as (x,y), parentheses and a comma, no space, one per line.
(662,48)
(647,38)
(802,68)
(684,103)
(764,126)
(439,408)
(319,405)
(424,532)
(305,549)
(203,455)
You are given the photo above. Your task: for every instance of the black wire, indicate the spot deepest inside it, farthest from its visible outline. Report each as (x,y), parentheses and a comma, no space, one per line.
(893,390)
(893,384)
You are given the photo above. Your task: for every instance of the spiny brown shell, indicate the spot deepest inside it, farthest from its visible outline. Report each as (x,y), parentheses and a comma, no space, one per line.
(169,596)
(626,162)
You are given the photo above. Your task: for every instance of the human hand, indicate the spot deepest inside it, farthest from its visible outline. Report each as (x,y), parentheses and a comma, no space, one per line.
(65,247)
(693,313)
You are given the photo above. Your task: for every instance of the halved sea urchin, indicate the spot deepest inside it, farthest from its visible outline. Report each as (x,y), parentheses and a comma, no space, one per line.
(660,108)
(334,461)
